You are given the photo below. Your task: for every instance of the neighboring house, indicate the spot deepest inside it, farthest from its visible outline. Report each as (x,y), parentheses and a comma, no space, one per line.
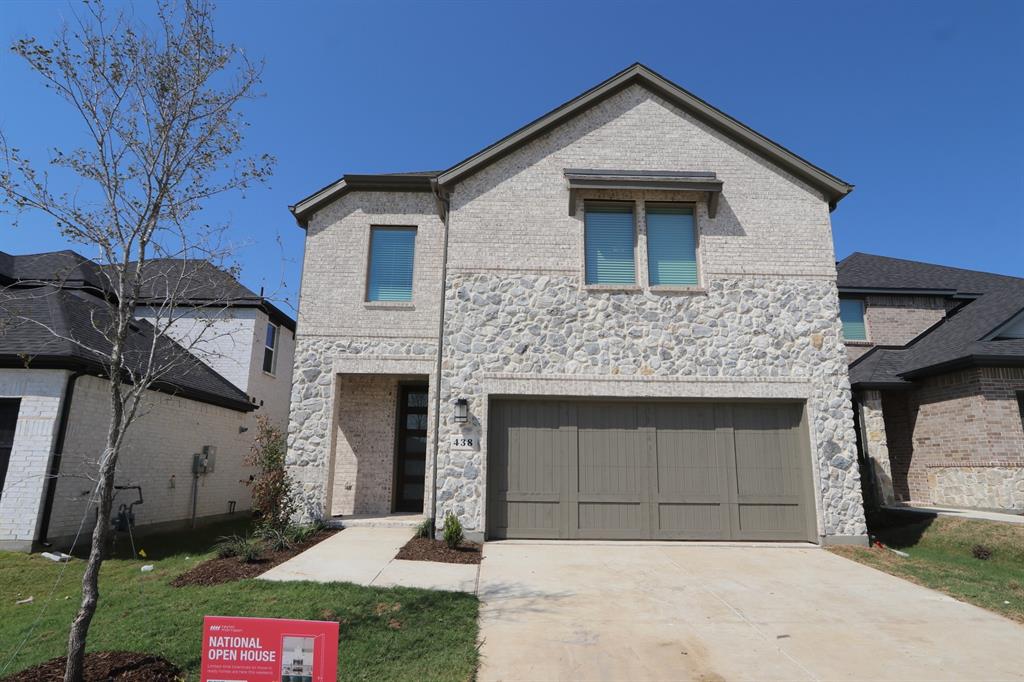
(937,368)
(54,401)
(620,321)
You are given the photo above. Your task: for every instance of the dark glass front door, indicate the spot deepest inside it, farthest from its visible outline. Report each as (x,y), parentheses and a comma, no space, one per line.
(411,451)
(8,423)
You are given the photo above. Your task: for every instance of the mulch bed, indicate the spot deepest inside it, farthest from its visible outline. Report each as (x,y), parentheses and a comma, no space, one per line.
(425,549)
(218,571)
(123,666)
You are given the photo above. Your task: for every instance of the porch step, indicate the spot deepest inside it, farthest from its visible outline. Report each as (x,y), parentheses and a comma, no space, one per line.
(376,521)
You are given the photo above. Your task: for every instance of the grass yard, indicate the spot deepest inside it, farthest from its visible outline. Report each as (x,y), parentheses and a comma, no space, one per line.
(386,634)
(941,558)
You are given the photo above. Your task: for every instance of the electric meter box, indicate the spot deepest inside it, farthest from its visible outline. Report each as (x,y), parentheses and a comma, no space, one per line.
(206,462)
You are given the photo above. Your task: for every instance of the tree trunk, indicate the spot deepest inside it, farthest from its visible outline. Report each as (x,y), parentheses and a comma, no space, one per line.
(75,668)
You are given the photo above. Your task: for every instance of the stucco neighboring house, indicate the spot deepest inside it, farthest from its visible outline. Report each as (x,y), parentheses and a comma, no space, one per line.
(937,368)
(620,321)
(54,408)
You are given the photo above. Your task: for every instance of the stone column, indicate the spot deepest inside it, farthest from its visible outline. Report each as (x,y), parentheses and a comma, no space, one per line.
(876,447)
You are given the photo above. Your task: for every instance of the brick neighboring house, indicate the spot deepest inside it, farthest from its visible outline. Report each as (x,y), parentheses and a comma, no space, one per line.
(937,369)
(54,408)
(620,321)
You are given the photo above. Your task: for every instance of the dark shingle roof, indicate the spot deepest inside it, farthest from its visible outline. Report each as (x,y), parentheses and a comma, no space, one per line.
(958,340)
(49,327)
(69,268)
(192,281)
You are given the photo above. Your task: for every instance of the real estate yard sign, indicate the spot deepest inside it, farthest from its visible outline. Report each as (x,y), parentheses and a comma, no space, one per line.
(269,650)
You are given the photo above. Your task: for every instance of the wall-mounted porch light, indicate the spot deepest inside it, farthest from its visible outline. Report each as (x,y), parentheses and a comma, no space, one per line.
(461,411)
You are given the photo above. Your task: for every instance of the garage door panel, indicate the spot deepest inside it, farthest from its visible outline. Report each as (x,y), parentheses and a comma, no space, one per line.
(698,521)
(628,470)
(612,450)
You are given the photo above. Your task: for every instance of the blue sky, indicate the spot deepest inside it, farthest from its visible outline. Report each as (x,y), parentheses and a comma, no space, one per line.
(918,104)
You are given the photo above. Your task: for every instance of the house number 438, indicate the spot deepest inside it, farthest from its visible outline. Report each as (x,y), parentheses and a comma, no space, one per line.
(463,443)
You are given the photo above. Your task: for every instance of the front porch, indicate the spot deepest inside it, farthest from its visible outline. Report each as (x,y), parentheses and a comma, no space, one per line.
(379,460)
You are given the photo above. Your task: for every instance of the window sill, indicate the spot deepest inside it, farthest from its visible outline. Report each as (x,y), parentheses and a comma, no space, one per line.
(858,342)
(389,305)
(614,288)
(270,374)
(678,290)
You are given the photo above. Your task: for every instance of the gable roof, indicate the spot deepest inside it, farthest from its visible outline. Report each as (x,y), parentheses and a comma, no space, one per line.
(960,340)
(832,187)
(47,327)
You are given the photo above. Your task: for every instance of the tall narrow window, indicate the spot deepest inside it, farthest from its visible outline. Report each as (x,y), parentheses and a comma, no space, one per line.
(671,246)
(391,259)
(608,240)
(851,313)
(270,349)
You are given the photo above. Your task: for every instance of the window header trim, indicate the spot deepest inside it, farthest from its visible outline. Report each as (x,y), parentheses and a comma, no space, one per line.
(674,181)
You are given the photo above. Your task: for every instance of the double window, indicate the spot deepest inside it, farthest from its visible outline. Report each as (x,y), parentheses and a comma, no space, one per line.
(610,244)
(851,314)
(391,259)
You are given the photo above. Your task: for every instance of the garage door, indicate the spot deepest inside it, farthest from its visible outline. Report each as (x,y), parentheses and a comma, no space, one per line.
(648,470)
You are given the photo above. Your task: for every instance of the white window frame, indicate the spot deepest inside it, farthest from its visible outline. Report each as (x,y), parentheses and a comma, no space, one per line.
(273,349)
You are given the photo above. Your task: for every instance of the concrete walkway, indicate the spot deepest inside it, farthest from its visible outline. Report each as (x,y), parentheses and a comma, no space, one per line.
(953,512)
(366,556)
(632,611)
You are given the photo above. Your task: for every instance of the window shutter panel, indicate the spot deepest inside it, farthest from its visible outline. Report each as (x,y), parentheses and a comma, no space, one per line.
(671,246)
(608,240)
(851,313)
(391,260)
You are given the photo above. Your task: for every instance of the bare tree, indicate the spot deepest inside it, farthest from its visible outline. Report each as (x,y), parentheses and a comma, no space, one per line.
(162,135)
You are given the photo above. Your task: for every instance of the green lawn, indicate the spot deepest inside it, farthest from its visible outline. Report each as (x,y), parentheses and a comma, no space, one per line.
(941,558)
(386,634)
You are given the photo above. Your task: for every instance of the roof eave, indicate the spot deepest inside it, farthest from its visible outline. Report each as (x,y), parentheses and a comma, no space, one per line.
(304,209)
(963,363)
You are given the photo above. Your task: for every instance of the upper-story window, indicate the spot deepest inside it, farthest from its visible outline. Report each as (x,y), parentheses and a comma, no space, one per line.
(270,348)
(609,239)
(851,313)
(391,260)
(671,246)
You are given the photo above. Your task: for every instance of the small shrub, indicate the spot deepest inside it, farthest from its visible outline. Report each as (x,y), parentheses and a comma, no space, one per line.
(272,488)
(300,533)
(247,548)
(277,540)
(452,531)
(425,529)
(981,552)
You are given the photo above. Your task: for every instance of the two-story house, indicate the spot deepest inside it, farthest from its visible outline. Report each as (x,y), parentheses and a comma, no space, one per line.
(620,321)
(234,354)
(937,368)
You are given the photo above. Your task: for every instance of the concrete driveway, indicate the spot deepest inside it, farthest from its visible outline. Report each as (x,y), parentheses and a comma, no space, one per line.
(642,611)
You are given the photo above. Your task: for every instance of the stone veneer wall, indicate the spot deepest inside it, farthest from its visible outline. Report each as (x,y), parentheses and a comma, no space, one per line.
(534,325)
(876,444)
(987,486)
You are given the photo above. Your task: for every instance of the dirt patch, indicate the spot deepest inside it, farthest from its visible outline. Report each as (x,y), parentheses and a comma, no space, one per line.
(218,571)
(123,666)
(425,549)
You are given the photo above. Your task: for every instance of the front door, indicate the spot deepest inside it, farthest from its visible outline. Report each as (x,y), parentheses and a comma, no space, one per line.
(411,449)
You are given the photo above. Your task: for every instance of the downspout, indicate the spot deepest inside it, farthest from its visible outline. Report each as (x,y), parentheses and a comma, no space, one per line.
(443,207)
(58,453)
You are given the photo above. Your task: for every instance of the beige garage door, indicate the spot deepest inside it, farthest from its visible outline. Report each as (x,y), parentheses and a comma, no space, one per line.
(648,470)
